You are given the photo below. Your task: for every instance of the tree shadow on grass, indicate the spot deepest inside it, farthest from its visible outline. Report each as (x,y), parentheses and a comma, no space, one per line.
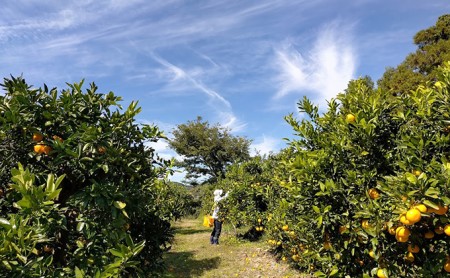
(184,265)
(189,231)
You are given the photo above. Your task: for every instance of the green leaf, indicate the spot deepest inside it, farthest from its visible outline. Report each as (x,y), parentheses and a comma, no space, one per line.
(83,159)
(129,240)
(319,221)
(430,204)
(22,258)
(59,180)
(105,168)
(24,203)
(446,199)
(119,204)
(7,265)
(322,186)
(411,178)
(139,248)
(433,192)
(80,226)
(319,274)
(78,273)
(334,271)
(116,253)
(5,223)
(316,209)
(54,194)
(50,183)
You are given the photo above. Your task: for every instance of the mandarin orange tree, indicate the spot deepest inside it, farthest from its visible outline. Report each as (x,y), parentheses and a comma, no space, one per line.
(84,199)
(252,194)
(367,187)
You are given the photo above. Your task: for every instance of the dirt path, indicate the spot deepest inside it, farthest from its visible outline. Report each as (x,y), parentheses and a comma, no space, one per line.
(192,256)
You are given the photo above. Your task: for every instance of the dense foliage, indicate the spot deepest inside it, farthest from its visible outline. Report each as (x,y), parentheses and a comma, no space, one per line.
(253,194)
(363,190)
(80,189)
(207,150)
(421,66)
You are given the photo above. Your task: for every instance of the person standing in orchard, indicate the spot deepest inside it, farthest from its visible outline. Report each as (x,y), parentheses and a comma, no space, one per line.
(214,239)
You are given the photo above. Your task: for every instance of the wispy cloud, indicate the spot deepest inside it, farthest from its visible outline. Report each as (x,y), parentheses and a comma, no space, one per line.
(321,72)
(221,105)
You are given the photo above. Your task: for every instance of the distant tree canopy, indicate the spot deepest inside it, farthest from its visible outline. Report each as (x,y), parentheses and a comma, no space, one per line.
(207,150)
(421,66)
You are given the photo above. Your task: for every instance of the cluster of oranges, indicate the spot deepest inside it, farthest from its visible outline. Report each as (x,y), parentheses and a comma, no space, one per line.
(274,242)
(413,216)
(259,228)
(40,147)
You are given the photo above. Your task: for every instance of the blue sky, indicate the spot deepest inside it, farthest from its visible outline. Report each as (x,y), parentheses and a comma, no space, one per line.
(243,64)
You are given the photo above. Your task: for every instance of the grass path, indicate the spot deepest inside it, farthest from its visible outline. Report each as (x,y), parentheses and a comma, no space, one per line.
(192,256)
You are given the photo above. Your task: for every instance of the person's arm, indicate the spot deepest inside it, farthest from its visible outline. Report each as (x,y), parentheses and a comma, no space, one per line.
(220,198)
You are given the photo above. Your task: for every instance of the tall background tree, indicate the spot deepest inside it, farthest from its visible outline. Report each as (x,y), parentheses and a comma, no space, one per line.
(207,150)
(420,66)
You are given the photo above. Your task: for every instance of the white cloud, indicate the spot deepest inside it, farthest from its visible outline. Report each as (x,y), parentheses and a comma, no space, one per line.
(324,70)
(265,146)
(216,101)
(163,150)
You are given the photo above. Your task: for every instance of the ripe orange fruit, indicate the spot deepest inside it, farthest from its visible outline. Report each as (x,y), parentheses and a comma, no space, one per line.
(285,228)
(38,148)
(372,254)
(447,266)
(37,137)
(48,249)
(392,230)
(402,238)
(402,232)
(447,229)
(365,224)
(381,273)
(413,248)
(342,229)
(404,220)
(350,118)
(442,210)
(373,193)
(421,207)
(439,230)
(413,215)
(409,257)
(47,149)
(57,138)
(428,235)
